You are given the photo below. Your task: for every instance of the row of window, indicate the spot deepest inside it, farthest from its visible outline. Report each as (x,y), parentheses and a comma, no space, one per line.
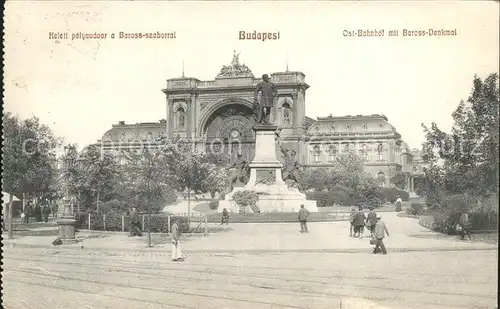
(347,128)
(316,156)
(347,147)
(180,116)
(136,136)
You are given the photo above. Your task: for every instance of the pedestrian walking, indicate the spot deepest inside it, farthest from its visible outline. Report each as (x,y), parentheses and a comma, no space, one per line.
(359,223)
(28,209)
(55,209)
(176,244)
(351,220)
(380,232)
(135,225)
(46,213)
(464,225)
(38,212)
(303,214)
(399,203)
(371,221)
(225,217)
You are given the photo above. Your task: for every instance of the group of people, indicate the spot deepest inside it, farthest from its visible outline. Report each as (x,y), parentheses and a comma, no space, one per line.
(41,211)
(372,221)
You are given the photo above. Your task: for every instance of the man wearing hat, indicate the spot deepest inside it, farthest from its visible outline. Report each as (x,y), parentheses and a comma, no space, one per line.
(176,244)
(380,232)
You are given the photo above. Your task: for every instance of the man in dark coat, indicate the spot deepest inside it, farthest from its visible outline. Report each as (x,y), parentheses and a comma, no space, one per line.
(303,214)
(55,209)
(28,209)
(46,213)
(465,225)
(371,221)
(267,92)
(359,223)
(38,212)
(225,217)
(135,225)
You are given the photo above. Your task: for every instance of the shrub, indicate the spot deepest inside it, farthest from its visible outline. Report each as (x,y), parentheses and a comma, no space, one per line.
(213,204)
(405,196)
(325,198)
(416,209)
(391,194)
(247,198)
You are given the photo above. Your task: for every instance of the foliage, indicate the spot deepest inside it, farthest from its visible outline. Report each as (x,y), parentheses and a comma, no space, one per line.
(465,160)
(246,198)
(391,194)
(213,204)
(399,180)
(346,183)
(416,209)
(28,157)
(482,217)
(145,180)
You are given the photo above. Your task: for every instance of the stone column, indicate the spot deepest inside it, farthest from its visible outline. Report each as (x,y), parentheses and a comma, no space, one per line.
(189,120)
(194,112)
(170,118)
(295,118)
(301,108)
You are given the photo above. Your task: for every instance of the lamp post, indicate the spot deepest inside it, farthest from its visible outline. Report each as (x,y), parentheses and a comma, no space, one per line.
(67,222)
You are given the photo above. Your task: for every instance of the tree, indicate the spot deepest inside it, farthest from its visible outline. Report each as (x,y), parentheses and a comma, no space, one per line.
(399,180)
(98,170)
(28,159)
(465,161)
(145,180)
(346,181)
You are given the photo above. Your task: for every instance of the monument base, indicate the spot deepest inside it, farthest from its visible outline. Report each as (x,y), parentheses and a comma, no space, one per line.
(272,198)
(266,180)
(67,230)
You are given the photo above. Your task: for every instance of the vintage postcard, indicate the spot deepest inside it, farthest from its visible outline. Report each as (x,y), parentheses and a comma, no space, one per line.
(250,154)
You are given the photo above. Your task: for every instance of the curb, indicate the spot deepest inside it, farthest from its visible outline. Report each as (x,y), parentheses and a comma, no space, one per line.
(250,251)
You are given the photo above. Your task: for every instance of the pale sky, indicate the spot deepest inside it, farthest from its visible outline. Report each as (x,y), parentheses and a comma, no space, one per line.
(80,88)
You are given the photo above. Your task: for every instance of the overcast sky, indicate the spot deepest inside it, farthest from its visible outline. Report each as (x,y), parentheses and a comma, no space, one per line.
(80,88)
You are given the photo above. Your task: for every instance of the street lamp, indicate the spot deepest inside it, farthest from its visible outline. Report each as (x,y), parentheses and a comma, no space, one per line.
(67,222)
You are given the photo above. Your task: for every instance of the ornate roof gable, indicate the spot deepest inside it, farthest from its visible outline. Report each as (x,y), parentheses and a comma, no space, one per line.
(235,69)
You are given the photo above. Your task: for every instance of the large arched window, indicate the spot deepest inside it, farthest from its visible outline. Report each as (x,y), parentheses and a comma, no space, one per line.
(316,154)
(287,114)
(381,179)
(180,116)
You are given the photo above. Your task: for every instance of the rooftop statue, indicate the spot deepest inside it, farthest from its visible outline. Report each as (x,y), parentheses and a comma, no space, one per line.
(235,69)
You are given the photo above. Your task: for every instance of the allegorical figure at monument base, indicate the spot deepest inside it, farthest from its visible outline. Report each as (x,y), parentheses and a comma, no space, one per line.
(239,172)
(268,92)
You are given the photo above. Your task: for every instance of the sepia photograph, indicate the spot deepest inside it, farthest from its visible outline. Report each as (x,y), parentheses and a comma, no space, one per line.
(250,154)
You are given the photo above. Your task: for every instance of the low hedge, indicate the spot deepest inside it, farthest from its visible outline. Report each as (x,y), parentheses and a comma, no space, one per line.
(113,222)
(325,198)
(391,194)
(213,204)
(447,222)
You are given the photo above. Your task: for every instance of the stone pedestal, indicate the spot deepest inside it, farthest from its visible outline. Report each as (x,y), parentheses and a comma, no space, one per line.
(266,179)
(67,226)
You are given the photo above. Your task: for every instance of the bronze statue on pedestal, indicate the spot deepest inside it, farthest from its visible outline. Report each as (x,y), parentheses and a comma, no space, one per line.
(262,109)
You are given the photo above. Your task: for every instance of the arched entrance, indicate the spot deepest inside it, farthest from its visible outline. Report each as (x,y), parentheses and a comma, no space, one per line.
(229,130)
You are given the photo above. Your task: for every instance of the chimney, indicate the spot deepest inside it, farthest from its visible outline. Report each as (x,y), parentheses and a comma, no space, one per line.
(121,123)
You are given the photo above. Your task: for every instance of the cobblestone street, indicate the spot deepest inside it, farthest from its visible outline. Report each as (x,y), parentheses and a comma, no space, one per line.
(54,278)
